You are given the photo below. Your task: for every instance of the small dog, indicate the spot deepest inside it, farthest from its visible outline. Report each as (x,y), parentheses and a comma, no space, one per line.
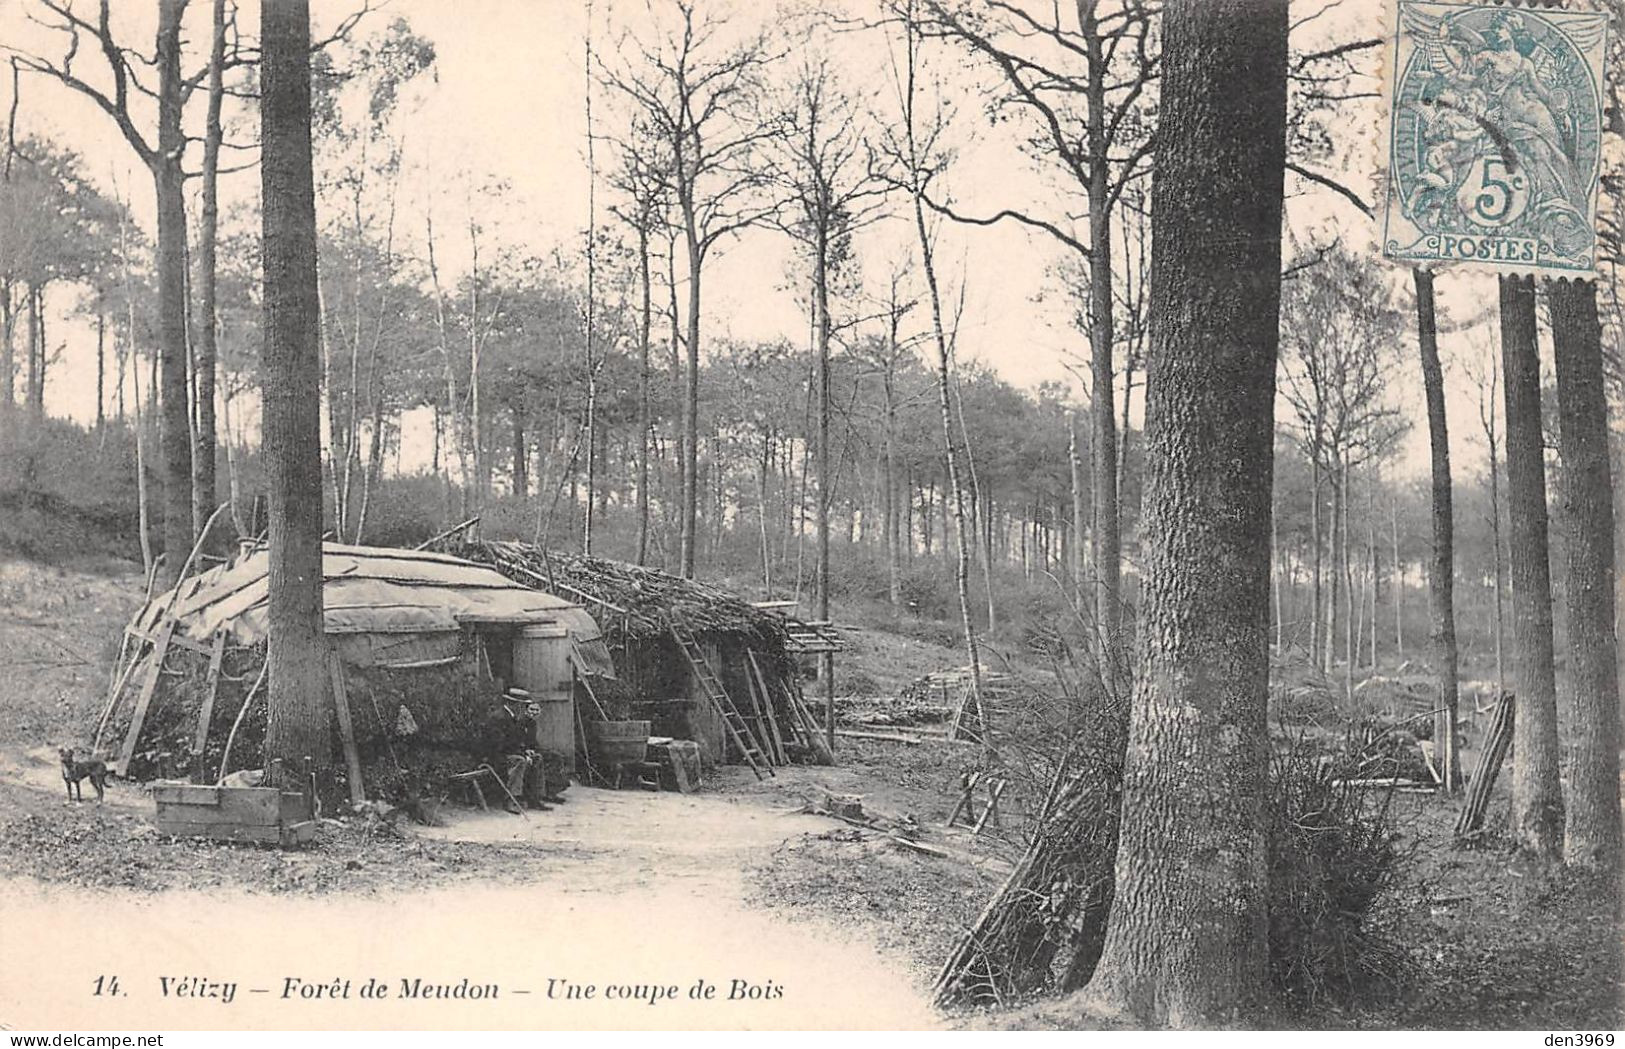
(75,769)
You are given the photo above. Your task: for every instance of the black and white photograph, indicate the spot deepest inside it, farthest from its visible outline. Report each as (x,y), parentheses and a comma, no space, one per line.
(807,515)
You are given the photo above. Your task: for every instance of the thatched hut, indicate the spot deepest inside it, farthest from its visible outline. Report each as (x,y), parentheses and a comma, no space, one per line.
(423,650)
(644,613)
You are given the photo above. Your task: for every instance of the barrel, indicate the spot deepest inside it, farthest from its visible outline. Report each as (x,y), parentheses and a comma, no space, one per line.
(618,741)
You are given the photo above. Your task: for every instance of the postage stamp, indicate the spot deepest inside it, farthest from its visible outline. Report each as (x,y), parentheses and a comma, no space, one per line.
(1495,137)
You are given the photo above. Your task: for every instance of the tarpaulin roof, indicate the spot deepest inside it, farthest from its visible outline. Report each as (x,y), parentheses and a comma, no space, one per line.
(371,590)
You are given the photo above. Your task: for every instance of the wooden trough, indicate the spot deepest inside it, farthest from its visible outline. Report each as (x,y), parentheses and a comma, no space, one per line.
(251,814)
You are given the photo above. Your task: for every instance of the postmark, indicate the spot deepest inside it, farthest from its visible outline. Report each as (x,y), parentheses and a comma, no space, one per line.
(1495,137)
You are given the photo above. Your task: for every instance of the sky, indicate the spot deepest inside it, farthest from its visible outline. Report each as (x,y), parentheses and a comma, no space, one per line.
(506,108)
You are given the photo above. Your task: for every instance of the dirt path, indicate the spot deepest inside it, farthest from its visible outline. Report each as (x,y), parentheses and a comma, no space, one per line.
(625,891)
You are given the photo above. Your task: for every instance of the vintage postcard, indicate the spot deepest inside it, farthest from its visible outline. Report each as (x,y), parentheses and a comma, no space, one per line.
(909,515)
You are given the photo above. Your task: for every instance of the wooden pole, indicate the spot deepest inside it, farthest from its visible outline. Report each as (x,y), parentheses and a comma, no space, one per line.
(341,705)
(1496,742)
(205,713)
(144,700)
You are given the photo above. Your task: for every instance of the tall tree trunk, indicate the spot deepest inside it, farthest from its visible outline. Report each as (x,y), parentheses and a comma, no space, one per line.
(521,454)
(1186,939)
(591,421)
(1103,441)
(101,366)
(894,538)
(34,388)
(1080,520)
(1500,553)
(298,696)
(143,514)
(8,363)
(1591,833)
(1537,799)
(1275,578)
(645,312)
(1441,569)
(175,433)
(1351,605)
(1371,557)
(204,487)
(689,510)
(944,391)
(1316,631)
(826,479)
(476,421)
(1334,552)
(1398,581)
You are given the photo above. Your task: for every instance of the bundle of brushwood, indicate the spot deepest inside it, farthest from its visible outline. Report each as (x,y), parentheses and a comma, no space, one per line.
(625,598)
(1044,929)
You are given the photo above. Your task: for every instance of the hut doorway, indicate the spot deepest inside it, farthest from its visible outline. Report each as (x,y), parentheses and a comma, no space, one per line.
(542,667)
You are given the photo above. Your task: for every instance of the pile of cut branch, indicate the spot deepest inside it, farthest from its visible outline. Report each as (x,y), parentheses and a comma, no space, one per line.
(1043,930)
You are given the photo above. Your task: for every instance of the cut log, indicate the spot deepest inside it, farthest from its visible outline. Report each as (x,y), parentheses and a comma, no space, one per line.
(889,737)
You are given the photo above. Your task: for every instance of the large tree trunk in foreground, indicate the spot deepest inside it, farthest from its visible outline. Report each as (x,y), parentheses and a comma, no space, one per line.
(1591,835)
(175,431)
(1441,570)
(1537,800)
(1186,941)
(298,695)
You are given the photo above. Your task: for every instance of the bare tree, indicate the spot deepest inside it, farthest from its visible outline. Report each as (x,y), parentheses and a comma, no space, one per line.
(699,95)
(162,156)
(1085,89)
(1340,336)
(916,148)
(643,209)
(1442,567)
(820,160)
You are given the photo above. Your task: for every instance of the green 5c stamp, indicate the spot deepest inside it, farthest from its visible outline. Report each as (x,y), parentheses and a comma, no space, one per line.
(1495,137)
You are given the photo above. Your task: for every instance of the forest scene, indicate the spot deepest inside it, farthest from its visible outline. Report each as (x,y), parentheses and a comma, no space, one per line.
(1159,608)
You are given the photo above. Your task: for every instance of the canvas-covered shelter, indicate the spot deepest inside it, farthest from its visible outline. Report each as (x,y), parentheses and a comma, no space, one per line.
(424,648)
(668,635)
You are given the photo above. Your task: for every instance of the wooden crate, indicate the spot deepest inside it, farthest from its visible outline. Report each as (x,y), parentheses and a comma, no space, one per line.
(256,814)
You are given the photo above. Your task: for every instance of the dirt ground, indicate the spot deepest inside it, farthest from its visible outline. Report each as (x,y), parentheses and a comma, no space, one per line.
(610,888)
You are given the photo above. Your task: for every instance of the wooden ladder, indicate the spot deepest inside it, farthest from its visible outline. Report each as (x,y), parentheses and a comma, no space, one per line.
(720,701)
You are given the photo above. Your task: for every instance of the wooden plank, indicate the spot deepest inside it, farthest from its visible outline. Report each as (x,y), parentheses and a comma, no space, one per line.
(205,713)
(113,696)
(755,669)
(341,704)
(763,741)
(263,805)
(271,833)
(178,640)
(187,793)
(144,700)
